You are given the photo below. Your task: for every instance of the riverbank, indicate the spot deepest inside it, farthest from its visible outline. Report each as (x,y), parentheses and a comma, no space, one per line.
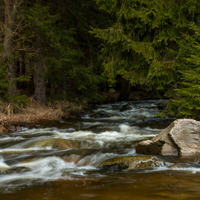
(36,112)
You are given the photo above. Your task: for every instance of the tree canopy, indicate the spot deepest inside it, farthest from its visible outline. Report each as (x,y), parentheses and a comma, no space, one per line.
(65,49)
(145,45)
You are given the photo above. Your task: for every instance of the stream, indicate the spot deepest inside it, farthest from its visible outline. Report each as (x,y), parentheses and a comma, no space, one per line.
(30,170)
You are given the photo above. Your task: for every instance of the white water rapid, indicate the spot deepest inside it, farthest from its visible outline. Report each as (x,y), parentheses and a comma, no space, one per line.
(27,158)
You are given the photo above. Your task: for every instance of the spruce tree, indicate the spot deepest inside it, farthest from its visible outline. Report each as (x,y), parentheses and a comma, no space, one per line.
(186,100)
(143,43)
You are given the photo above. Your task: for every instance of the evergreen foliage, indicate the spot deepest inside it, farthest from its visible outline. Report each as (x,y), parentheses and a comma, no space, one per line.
(69,72)
(186,101)
(153,43)
(142,45)
(132,47)
(57,32)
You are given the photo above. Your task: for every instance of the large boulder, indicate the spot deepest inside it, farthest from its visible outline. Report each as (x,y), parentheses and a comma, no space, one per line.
(180,138)
(131,163)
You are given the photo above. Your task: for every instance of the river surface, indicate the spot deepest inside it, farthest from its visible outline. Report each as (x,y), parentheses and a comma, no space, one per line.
(31,172)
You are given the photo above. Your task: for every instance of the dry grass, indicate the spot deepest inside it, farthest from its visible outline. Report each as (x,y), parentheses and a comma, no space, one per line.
(36,111)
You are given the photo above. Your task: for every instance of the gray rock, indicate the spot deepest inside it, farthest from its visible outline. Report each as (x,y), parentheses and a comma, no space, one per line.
(181,137)
(186,136)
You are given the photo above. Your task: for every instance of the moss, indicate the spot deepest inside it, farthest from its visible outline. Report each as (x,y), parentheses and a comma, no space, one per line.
(131,163)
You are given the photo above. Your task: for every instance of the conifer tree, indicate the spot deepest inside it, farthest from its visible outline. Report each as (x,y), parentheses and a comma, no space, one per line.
(143,43)
(83,74)
(66,49)
(186,100)
(9,52)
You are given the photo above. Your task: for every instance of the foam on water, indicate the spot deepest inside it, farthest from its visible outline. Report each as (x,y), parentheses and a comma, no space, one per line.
(82,139)
(45,169)
(95,159)
(90,141)
(153,129)
(42,131)
(49,168)
(48,164)
(3,165)
(28,150)
(141,111)
(10,139)
(192,170)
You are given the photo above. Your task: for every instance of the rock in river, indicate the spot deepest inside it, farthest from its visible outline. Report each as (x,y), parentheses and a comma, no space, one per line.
(55,143)
(100,114)
(131,163)
(180,138)
(125,107)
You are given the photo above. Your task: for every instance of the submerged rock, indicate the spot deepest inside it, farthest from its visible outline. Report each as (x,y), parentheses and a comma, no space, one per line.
(55,143)
(12,170)
(131,163)
(4,168)
(176,167)
(100,114)
(180,138)
(125,107)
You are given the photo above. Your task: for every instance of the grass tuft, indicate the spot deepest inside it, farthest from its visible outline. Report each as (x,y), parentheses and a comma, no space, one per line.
(35,111)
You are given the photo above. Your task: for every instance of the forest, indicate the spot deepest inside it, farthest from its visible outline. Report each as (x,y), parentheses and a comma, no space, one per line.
(64,50)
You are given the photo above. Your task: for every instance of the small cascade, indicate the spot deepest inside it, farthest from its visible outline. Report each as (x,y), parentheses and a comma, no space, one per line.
(75,149)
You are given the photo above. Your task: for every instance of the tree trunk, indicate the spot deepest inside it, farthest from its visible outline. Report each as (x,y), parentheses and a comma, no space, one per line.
(125,90)
(10,10)
(39,76)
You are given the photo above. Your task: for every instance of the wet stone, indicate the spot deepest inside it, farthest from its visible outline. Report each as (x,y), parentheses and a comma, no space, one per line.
(125,107)
(14,170)
(72,150)
(100,114)
(131,163)
(55,143)
(180,138)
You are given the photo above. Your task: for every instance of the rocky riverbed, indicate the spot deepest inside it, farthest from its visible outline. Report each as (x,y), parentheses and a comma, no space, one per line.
(95,157)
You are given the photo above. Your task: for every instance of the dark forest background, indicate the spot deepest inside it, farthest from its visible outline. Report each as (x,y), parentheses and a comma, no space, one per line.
(66,50)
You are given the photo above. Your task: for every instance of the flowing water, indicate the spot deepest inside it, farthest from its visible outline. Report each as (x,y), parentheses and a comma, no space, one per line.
(30,170)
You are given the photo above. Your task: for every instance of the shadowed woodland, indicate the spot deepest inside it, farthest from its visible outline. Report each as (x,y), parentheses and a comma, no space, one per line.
(77,50)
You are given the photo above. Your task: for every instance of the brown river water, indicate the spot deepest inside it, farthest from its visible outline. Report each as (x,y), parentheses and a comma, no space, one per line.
(30,171)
